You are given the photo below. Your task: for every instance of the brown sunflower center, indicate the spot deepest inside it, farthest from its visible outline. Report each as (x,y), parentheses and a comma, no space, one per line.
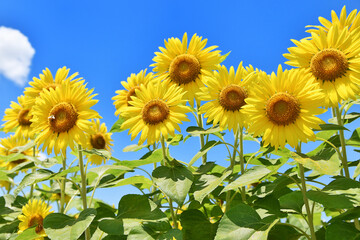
(130,94)
(23,118)
(184,69)
(155,111)
(329,64)
(36,220)
(98,141)
(232,98)
(282,109)
(62,117)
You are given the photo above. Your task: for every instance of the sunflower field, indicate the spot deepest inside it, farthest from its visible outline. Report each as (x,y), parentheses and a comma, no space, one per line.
(283,191)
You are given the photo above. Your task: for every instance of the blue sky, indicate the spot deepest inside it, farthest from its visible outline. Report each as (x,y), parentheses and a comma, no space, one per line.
(106,41)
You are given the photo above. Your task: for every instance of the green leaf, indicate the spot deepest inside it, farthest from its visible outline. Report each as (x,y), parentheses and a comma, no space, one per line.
(354,139)
(293,200)
(59,226)
(196,225)
(250,176)
(330,201)
(172,234)
(353,213)
(175,140)
(328,127)
(318,164)
(100,152)
(357,171)
(137,179)
(150,157)
(342,231)
(203,150)
(174,181)
(117,125)
(196,131)
(112,226)
(242,223)
(207,183)
(133,148)
(32,178)
(283,232)
(28,234)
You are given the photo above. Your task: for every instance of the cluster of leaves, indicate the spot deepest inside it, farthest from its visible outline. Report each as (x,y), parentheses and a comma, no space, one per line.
(181,201)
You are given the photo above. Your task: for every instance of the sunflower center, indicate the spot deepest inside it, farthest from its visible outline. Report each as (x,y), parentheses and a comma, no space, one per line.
(329,64)
(184,69)
(282,109)
(62,117)
(232,98)
(23,118)
(36,220)
(98,141)
(130,94)
(155,111)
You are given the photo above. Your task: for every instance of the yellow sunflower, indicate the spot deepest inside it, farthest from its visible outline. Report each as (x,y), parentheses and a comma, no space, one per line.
(185,65)
(47,81)
(61,116)
(123,97)
(18,116)
(350,22)
(283,108)
(225,95)
(33,214)
(98,138)
(333,60)
(156,110)
(57,197)
(8,146)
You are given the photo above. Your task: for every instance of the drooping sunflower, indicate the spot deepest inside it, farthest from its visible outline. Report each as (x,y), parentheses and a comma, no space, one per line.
(185,65)
(282,108)
(33,214)
(9,145)
(350,22)
(333,60)
(157,109)
(123,97)
(225,95)
(46,81)
(61,116)
(18,116)
(98,138)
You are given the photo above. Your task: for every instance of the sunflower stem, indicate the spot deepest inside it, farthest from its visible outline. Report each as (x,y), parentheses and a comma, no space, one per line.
(163,148)
(32,170)
(62,187)
(232,165)
(306,200)
(83,187)
(342,141)
(242,163)
(173,214)
(202,143)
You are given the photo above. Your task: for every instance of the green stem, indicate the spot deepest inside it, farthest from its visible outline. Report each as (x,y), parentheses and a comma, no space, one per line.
(232,165)
(62,187)
(306,200)
(342,141)
(83,187)
(202,143)
(297,228)
(32,185)
(173,214)
(242,163)
(163,148)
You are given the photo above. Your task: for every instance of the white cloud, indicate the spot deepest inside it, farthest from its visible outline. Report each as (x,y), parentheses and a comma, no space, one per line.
(16,53)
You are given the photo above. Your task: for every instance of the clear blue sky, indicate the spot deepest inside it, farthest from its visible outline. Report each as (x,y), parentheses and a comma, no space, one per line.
(106,41)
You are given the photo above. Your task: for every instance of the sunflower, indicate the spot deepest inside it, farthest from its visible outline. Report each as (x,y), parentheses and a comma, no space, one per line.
(226,94)
(156,109)
(47,82)
(61,116)
(333,60)
(185,65)
(18,116)
(57,197)
(98,138)
(123,97)
(350,22)
(283,108)
(33,214)
(9,146)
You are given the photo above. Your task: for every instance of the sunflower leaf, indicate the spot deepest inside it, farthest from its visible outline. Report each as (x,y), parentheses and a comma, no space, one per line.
(117,125)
